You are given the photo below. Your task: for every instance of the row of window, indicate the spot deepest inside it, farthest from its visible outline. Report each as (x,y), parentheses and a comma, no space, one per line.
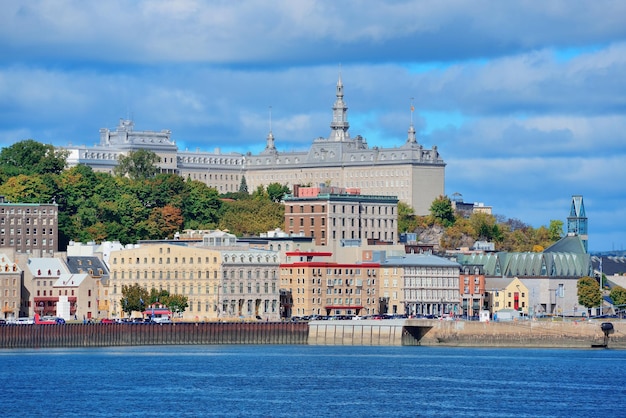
(27,242)
(26,211)
(27,221)
(27,231)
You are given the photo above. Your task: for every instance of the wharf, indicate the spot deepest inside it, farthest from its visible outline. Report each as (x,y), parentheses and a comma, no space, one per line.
(389,332)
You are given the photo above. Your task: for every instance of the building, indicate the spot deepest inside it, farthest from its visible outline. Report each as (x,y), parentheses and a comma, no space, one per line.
(514,296)
(10,286)
(472,288)
(577,220)
(429,284)
(51,288)
(221,278)
(409,171)
(29,227)
(336,215)
(550,276)
(314,286)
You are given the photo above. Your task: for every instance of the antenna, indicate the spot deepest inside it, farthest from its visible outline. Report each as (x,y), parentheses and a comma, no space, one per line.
(270,111)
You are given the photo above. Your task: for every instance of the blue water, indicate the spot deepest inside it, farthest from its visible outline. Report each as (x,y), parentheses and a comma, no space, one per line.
(312,381)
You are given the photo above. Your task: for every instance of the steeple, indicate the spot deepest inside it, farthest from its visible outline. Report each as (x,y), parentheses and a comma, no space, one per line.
(411,139)
(339,126)
(577,220)
(269,143)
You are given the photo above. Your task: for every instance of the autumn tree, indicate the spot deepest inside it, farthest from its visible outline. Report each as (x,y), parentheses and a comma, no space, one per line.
(589,294)
(251,217)
(134,298)
(618,294)
(140,164)
(163,222)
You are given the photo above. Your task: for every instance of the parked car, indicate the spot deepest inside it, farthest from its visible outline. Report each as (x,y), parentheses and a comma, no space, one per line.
(107,321)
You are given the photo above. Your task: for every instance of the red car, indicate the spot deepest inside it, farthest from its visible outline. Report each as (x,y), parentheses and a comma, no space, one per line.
(107,321)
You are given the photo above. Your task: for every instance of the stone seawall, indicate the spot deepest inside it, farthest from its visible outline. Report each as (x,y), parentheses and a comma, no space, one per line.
(580,334)
(569,334)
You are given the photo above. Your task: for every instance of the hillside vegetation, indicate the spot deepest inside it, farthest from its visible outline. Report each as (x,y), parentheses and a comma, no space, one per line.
(135,203)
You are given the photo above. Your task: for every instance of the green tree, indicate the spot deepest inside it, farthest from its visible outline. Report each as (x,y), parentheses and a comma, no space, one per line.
(140,164)
(276,192)
(134,298)
(251,217)
(32,157)
(406,218)
(177,303)
(26,189)
(441,210)
(243,185)
(618,294)
(555,230)
(589,294)
(201,206)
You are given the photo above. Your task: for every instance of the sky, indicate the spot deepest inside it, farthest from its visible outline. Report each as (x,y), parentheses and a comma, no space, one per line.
(526,101)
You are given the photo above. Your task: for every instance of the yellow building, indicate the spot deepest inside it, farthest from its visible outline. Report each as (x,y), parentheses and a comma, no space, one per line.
(221,278)
(513,296)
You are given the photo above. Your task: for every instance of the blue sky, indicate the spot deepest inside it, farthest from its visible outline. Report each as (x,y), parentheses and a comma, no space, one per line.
(526,101)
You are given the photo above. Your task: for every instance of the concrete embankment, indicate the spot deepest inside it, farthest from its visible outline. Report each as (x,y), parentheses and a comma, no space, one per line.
(580,334)
(557,334)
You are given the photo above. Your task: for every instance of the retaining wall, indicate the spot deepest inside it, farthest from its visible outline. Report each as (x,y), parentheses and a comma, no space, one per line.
(102,335)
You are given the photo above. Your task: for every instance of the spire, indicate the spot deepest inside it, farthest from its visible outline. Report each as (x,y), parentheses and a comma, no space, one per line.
(411,139)
(269,143)
(339,126)
(577,220)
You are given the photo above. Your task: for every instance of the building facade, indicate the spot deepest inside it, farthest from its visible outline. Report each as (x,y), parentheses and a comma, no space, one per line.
(430,284)
(409,171)
(221,279)
(29,227)
(10,286)
(333,214)
(313,286)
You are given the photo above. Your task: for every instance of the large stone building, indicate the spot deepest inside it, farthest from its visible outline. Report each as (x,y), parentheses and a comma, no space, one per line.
(409,171)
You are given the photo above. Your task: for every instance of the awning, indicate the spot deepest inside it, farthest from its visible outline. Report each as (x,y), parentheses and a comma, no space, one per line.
(343,307)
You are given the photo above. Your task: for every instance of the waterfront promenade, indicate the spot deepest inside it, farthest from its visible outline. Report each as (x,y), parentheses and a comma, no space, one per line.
(393,332)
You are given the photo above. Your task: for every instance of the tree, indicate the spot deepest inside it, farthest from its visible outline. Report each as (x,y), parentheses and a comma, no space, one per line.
(177,303)
(555,230)
(201,206)
(32,157)
(441,210)
(406,218)
(134,298)
(589,294)
(140,164)
(163,222)
(243,185)
(618,294)
(276,192)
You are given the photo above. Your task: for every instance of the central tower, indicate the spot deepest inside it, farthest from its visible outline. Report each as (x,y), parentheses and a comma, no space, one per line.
(339,126)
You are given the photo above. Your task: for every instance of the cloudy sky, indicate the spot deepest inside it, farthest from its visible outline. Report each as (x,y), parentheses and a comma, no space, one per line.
(526,101)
